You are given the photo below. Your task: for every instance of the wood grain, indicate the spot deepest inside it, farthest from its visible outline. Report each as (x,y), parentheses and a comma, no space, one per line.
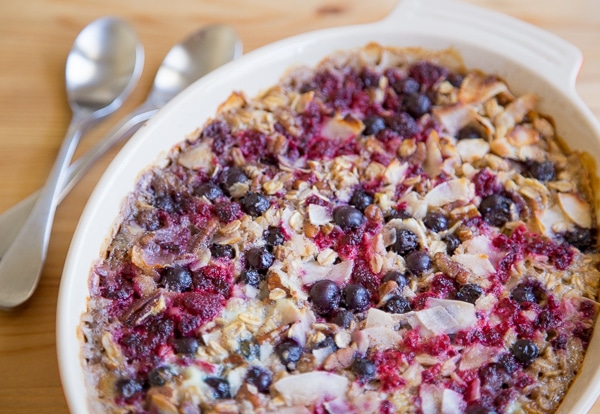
(35,37)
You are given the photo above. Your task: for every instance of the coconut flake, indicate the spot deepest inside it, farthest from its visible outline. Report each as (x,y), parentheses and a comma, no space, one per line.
(377,317)
(477,88)
(431,399)
(312,271)
(199,157)
(550,218)
(319,215)
(444,317)
(458,189)
(478,355)
(337,406)
(453,117)
(452,402)
(416,206)
(341,128)
(433,160)
(479,264)
(311,387)
(462,312)
(341,272)
(471,150)
(293,410)
(436,320)
(522,136)
(576,208)
(395,172)
(379,336)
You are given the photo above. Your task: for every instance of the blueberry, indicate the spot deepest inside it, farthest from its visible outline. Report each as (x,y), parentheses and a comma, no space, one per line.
(289,352)
(325,296)
(227,211)
(274,236)
(469,293)
(186,345)
(220,387)
(469,132)
(370,79)
(255,204)
(525,351)
(356,297)
(127,387)
(176,279)
(523,293)
(260,259)
(456,79)
(165,202)
(452,242)
(348,217)
(508,362)
(406,242)
(260,378)
(403,124)
(407,86)
(397,304)
(249,349)
(159,376)
(418,105)
(373,125)
(397,214)
(209,190)
(233,176)
(541,170)
(396,276)
(418,262)
(581,238)
(496,210)
(361,200)
(222,250)
(343,318)
(251,277)
(436,221)
(328,342)
(363,368)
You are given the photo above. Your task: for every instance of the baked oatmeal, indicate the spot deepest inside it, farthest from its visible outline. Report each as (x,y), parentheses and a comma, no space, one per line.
(388,232)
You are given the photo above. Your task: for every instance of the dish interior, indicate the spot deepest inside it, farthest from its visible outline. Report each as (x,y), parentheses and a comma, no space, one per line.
(250,74)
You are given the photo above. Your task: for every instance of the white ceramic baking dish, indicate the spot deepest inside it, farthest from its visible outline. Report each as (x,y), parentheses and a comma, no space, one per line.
(527,57)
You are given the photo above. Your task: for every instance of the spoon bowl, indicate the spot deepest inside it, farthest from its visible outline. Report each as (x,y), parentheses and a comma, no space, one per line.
(188,61)
(104,64)
(99,67)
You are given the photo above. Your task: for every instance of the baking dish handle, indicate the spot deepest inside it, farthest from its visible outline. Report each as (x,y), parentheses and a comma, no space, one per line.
(543,52)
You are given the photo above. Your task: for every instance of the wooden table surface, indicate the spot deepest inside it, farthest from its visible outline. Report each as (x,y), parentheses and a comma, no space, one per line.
(35,37)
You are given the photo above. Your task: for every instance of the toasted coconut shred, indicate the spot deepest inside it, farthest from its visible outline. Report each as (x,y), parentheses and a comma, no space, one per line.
(387,232)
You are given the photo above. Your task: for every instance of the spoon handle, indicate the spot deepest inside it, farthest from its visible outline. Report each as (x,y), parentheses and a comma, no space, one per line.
(21,265)
(13,219)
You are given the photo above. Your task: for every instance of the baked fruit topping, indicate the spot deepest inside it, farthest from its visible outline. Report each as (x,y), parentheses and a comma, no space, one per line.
(387,232)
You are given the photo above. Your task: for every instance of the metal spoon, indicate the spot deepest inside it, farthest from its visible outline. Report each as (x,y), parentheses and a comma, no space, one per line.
(102,67)
(198,54)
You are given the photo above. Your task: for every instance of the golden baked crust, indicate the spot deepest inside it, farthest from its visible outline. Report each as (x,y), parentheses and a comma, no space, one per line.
(387,232)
